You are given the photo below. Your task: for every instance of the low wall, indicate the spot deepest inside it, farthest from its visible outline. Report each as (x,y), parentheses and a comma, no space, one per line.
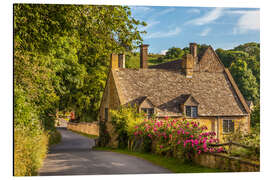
(87,128)
(224,162)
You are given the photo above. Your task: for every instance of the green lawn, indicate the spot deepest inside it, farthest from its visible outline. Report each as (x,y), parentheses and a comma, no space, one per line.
(170,163)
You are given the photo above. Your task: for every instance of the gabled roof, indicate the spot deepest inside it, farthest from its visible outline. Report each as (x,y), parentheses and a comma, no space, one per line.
(189,100)
(167,87)
(213,91)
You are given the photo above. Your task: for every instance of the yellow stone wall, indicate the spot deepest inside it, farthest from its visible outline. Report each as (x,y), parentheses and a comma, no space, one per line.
(110,101)
(87,128)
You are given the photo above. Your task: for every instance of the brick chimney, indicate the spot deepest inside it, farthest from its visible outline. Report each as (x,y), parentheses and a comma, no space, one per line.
(193,49)
(121,60)
(194,52)
(144,56)
(187,65)
(114,61)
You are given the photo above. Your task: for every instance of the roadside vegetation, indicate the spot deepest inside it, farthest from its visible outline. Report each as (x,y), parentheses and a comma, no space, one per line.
(61,61)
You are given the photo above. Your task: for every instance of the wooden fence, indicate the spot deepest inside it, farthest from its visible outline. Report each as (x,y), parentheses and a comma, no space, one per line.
(227,161)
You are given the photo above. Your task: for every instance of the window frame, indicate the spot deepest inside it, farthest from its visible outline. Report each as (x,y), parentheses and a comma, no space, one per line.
(193,109)
(230,126)
(148,113)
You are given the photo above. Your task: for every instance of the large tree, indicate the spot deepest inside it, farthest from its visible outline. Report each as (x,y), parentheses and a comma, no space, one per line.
(245,80)
(70,46)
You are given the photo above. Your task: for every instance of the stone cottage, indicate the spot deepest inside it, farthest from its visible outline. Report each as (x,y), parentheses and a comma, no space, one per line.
(197,86)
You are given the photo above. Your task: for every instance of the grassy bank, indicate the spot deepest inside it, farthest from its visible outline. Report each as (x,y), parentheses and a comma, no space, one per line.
(170,163)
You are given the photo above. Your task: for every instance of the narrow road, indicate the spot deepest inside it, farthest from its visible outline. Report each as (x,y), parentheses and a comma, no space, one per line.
(73,156)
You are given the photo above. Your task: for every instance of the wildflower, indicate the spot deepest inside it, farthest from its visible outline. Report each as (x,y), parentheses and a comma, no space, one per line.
(160,146)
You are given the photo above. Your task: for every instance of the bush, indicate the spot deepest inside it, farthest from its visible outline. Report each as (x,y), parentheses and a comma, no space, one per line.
(30,148)
(54,137)
(176,137)
(30,140)
(124,121)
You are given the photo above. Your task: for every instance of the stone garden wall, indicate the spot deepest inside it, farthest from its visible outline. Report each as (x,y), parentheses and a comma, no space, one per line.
(224,162)
(87,128)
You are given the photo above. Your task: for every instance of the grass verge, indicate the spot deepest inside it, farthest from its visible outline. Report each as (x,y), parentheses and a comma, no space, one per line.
(170,163)
(54,137)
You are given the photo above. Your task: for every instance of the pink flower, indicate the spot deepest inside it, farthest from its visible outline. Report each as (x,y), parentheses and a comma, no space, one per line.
(161,146)
(178,142)
(187,132)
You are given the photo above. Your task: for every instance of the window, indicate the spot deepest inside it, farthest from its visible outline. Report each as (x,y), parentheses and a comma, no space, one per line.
(149,112)
(192,111)
(228,126)
(106,114)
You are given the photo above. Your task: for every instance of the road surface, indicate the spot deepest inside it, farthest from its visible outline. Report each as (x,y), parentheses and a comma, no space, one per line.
(73,156)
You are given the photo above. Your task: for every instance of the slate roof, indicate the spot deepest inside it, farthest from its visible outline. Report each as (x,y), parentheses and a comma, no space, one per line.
(167,87)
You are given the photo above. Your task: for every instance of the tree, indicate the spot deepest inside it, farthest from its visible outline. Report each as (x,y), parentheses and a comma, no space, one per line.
(174,52)
(75,43)
(245,80)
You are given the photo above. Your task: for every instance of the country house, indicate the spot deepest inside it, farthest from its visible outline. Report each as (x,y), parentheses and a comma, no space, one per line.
(198,87)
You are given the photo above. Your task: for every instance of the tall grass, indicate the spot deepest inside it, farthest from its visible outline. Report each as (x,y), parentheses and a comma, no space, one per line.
(30,148)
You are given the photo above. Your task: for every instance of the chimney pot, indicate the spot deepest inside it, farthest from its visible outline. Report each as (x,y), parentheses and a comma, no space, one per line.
(144,56)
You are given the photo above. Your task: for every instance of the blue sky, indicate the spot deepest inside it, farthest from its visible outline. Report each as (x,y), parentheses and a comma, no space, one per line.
(178,26)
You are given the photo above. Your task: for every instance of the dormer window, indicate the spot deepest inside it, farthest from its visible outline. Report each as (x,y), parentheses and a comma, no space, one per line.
(149,112)
(191,111)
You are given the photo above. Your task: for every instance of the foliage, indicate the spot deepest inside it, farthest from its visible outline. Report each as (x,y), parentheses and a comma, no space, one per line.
(30,148)
(255,116)
(124,121)
(245,80)
(61,59)
(75,42)
(174,52)
(251,139)
(54,137)
(181,137)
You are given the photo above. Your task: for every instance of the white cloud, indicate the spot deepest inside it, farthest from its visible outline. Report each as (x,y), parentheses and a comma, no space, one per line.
(160,34)
(194,11)
(249,21)
(207,18)
(165,11)
(163,52)
(140,10)
(205,32)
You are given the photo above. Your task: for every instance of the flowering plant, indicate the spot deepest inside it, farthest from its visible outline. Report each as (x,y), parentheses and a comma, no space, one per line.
(171,135)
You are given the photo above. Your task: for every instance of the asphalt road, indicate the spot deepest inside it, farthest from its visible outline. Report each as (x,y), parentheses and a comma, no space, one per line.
(73,156)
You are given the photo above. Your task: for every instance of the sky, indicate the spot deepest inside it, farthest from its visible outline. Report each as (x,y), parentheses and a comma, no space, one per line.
(223,28)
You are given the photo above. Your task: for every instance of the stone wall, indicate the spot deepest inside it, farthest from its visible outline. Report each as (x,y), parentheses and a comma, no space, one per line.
(87,128)
(111,101)
(224,162)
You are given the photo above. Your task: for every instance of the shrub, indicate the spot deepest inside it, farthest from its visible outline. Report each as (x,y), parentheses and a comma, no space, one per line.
(124,121)
(30,148)
(54,137)
(176,137)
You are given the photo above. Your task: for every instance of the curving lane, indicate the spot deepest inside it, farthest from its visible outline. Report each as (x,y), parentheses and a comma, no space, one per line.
(73,156)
